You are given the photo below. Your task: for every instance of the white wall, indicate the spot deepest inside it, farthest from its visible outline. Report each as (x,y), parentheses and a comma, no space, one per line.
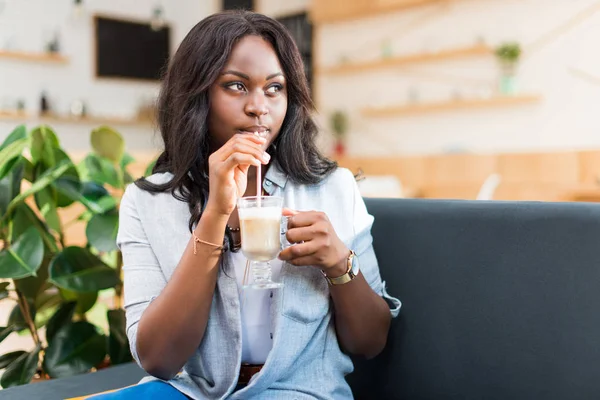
(26,22)
(567,117)
(279,8)
(564,119)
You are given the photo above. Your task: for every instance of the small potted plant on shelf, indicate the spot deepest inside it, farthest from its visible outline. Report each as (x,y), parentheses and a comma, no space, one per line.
(339,126)
(508,55)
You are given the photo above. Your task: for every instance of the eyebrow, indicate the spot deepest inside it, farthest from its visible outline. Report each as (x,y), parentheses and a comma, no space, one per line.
(246,77)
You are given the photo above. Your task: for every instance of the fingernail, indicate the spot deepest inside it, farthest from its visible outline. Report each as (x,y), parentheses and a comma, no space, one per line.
(266,157)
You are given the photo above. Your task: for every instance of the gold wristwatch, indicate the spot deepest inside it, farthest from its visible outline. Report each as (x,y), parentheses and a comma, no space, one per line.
(350,273)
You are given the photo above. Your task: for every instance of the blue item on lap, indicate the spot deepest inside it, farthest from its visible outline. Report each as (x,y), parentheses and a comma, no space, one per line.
(149,390)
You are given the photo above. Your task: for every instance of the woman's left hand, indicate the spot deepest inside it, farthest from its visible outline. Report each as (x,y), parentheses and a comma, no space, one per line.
(317,243)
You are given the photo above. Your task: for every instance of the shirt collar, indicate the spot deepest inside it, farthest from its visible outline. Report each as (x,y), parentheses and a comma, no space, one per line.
(274,176)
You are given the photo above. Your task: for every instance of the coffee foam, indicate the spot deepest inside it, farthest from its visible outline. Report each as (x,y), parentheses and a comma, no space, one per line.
(260,213)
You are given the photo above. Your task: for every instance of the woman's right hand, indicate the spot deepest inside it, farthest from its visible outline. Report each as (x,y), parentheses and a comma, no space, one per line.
(228,171)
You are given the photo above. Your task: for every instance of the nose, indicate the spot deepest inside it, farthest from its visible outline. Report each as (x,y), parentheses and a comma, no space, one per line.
(256,106)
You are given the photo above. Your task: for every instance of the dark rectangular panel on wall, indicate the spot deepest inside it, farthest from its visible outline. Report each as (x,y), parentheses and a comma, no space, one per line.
(128,49)
(301,30)
(238,5)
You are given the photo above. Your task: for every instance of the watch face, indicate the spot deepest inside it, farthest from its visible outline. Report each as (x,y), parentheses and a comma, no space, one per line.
(355,267)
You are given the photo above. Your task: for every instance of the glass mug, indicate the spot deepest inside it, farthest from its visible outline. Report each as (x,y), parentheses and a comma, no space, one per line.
(262,230)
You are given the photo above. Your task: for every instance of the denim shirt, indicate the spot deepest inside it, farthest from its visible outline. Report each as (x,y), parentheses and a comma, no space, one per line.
(306,361)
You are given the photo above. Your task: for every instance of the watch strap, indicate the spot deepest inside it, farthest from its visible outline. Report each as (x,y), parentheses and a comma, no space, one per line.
(347,277)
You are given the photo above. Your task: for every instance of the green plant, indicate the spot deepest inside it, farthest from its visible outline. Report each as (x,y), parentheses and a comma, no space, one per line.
(339,124)
(509,53)
(54,284)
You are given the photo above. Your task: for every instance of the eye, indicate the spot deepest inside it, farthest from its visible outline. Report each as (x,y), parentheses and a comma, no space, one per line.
(237,86)
(273,89)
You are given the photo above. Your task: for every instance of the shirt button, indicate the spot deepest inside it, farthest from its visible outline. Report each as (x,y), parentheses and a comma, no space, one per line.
(268,183)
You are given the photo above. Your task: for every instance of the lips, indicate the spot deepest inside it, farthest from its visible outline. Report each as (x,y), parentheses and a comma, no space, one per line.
(260,130)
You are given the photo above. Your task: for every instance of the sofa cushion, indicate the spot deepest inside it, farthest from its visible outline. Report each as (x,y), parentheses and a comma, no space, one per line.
(499,301)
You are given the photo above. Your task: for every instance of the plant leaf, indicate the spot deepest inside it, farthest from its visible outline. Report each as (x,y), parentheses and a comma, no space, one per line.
(28,173)
(96,198)
(108,143)
(21,370)
(45,200)
(24,257)
(48,299)
(3,290)
(149,168)
(75,348)
(16,320)
(101,231)
(126,160)
(62,317)
(77,269)
(9,153)
(20,132)
(24,218)
(9,166)
(30,287)
(5,331)
(10,185)
(100,170)
(7,358)
(68,186)
(46,304)
(43,181)
(85,300)
(127,178)
(118,344)
(43,143)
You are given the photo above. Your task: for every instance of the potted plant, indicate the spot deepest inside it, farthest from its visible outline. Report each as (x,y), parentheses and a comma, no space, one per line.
(508,55)
(339,126)
(54,285)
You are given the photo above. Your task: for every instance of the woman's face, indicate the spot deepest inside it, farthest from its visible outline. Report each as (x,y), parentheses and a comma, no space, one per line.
(250,94)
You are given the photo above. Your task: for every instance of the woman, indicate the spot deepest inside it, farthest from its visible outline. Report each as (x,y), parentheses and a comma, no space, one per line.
(235,98)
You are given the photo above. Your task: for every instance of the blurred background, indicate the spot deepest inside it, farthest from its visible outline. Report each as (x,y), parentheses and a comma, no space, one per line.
(461,99)
(419,98)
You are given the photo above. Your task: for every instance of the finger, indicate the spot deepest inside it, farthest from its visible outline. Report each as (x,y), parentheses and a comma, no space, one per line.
(253,140)
(298,251)
(304,261)
(306,218)
(245,139)
(303,234)
(287,212)
(239,159)
(246,148)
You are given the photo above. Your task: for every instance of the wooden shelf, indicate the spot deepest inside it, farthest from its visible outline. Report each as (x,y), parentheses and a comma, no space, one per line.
(24,117)
(94,120)
(423,108)
(328,11)
(13,115)
(449,54)
(34,57)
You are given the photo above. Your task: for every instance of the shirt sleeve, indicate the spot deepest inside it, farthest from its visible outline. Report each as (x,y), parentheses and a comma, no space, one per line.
(143,279)
(362,245)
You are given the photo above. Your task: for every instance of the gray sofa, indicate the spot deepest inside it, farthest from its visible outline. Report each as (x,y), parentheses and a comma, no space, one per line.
(500,301)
